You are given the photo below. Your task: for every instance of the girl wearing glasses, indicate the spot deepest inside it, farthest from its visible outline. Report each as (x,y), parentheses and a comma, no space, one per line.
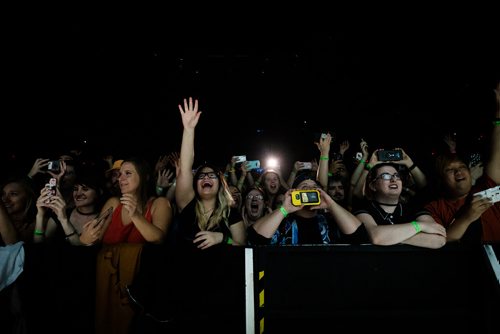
(203,199)
(387,220)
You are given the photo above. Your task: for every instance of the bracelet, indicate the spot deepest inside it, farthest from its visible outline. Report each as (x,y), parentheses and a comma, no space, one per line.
(496,122)
(39,232)
(362,161)
(283,211)
(412,167)
(368,166)
(416,226)
(323,157)
(71,234)
(229,241)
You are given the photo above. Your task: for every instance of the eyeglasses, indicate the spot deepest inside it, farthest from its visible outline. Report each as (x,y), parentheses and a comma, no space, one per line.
(211,175)
(388,176)
(259,197)
(453,171)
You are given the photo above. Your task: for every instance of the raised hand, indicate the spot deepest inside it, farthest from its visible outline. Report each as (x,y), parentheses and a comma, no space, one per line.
(189,113)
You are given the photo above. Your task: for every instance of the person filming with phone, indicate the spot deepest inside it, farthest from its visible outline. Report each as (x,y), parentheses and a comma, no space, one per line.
(466,215)
(302,218)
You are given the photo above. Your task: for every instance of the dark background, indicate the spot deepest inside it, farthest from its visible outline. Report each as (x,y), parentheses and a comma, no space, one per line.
(110,81)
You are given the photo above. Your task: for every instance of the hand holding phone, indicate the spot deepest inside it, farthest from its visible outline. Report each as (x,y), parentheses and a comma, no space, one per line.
(103,216)
(492,193)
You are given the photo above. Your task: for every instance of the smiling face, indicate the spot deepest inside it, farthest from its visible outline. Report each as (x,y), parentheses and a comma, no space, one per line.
(386,184)
(207,182)
(84,195)
(15,198)
(129,178)
(457,178)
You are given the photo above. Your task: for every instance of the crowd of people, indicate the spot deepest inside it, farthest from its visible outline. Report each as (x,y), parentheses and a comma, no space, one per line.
(119,205)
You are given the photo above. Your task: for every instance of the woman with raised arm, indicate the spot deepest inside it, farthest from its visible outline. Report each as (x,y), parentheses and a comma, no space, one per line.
(203,199)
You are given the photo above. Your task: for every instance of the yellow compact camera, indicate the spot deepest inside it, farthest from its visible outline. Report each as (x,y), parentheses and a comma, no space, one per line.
(305,197)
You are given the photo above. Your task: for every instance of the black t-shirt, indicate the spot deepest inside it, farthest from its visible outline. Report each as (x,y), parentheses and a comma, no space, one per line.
(188,224)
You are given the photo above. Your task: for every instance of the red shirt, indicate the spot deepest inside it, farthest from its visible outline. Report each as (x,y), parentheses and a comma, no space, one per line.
(444,211)
(117,232)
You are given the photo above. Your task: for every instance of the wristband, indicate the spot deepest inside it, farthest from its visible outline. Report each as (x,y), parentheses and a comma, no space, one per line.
(496,122)
(283,211)
(39,232)
(412,167)
(229,241)
(323,157)
(71,234)
(416,226)
(368,166)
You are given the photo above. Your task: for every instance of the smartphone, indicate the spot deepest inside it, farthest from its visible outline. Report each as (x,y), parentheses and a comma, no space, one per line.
(240,158)
(54,166)
(253,164)
(492,193)
(52,185)
(474,159)
(306,165)
(390,155)
(305,197)
(259,170)
(103,216)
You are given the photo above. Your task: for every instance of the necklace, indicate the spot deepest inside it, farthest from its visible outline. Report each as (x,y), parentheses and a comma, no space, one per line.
(85,214)
(386,204)
(386,216)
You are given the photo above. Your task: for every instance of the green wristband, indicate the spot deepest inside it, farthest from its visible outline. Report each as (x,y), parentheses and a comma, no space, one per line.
(416,226)
(496,122)
(39,232)
(323,158)
(284,212)
(229,241)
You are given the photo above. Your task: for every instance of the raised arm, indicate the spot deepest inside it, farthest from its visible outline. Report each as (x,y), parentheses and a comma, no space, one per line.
(184,191)
(324,153)
(493,166)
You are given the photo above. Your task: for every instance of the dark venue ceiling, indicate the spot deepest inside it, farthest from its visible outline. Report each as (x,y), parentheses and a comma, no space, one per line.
(115,81)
